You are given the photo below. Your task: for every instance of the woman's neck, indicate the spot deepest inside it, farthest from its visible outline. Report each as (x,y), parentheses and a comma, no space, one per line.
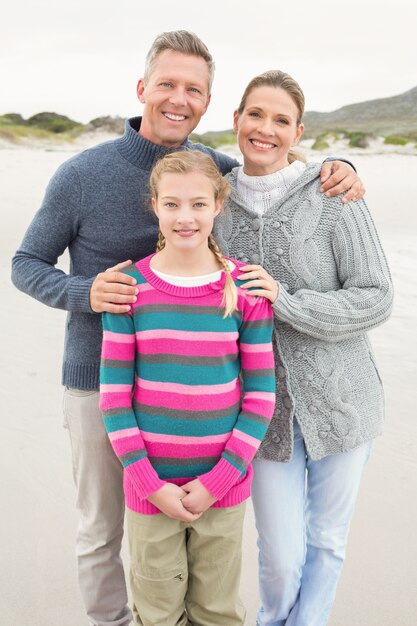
(251,169)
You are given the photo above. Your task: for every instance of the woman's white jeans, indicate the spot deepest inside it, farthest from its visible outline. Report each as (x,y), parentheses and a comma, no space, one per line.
(303,511)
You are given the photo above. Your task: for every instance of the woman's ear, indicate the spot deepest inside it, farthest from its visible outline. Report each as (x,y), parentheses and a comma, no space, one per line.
(235,121)
(300,131)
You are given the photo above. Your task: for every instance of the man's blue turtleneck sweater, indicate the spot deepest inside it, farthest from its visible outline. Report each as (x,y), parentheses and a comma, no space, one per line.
(98,206)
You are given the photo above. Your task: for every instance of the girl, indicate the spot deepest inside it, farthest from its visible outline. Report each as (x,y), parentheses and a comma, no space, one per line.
(320,263)
(173,408)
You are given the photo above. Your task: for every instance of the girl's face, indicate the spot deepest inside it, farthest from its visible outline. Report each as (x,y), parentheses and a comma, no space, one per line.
(266,130)
(186,209)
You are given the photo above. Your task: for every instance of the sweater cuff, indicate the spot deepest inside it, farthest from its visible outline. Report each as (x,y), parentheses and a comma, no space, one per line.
(144,478)
(340,159)
(219,480)
(282,306)
(79,294)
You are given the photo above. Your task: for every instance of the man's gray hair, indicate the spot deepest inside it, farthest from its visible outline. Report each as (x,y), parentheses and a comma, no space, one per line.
(182,41)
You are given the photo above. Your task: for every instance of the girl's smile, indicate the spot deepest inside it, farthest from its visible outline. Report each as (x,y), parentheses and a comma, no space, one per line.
(185,233)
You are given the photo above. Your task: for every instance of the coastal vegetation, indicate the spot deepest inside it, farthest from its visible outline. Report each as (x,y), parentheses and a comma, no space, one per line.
(53,127)
(321,143)
(215,139)
(355,126)
(396,140)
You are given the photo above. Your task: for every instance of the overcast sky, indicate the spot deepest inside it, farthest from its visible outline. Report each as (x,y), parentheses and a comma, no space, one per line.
(83,58)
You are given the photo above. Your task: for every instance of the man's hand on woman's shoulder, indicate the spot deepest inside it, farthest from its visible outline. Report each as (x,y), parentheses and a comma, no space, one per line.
(338,177)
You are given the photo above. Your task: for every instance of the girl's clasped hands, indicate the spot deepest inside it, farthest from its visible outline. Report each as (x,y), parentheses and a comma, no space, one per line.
(186,503)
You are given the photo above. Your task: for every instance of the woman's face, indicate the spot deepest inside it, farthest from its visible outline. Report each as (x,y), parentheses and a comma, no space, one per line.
(266,130)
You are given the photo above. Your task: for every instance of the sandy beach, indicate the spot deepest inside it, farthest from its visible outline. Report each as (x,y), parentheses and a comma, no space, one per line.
(38,523)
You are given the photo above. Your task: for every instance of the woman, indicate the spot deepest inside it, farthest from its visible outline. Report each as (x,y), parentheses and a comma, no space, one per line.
(320,263)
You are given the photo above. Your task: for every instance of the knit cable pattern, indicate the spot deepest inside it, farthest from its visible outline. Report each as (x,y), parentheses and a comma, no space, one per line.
(335,285)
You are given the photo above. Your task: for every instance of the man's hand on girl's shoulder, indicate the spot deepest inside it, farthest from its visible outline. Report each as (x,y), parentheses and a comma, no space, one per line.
(112,290)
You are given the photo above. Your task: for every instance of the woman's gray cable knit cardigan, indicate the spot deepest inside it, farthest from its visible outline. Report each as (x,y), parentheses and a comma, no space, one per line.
(335,285)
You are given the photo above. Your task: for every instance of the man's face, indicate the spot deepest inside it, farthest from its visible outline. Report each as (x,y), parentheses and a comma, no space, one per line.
(175,96)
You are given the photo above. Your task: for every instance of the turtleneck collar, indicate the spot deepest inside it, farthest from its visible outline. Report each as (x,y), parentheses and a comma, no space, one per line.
(262,192)
(311,172)
(140,151)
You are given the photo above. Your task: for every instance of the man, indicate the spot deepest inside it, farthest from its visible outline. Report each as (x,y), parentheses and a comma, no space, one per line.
(97,206)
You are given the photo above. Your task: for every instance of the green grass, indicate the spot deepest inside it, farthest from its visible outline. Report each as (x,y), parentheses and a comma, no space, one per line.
(15,133)
(12,118)
(357,139)
(43,126)
(53,122)
(396,140)
(321,142)
(215,139)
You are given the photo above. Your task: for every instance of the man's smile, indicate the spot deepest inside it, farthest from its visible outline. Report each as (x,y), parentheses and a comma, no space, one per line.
(174,117)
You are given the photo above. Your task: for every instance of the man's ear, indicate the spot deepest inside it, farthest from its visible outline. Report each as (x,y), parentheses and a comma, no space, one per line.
(140,90)
(207,102)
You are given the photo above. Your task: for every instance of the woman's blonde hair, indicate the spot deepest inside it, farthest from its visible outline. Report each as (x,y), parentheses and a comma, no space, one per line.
(185,162)
(281,80)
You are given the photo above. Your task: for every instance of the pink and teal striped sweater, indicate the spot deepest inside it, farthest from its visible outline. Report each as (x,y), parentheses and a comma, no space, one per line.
(186,393)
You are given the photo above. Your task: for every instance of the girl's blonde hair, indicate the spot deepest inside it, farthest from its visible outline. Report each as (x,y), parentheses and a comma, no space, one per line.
(281,80)
(185,162)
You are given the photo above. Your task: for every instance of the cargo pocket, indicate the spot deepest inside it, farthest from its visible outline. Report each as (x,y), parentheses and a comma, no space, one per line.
(159,594)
